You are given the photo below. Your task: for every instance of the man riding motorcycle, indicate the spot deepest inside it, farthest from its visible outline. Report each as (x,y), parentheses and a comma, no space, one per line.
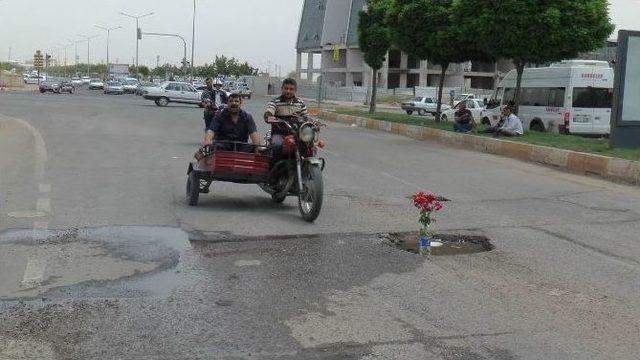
(286,107)
(234,125)
(213,99)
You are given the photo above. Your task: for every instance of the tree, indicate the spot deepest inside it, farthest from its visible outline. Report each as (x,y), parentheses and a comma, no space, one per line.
(144,70)
(535,32)
(374,41)
(426,30)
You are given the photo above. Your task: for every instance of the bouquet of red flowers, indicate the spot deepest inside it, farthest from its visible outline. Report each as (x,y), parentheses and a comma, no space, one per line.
(428,204)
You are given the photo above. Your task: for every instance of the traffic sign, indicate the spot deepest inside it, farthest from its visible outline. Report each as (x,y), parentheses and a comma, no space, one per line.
(38,60)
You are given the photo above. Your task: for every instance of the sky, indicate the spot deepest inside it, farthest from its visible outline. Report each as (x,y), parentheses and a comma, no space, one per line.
(257,31)
(261,32)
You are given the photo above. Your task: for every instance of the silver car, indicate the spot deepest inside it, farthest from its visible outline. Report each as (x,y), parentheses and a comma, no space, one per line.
(172,91)
(114,87)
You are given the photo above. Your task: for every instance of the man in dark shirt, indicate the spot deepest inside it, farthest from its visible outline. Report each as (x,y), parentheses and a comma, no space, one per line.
(463,119)
(233,124)
(213,98)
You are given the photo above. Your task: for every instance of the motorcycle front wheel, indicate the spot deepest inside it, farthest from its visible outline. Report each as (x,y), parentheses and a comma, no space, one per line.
(311,195)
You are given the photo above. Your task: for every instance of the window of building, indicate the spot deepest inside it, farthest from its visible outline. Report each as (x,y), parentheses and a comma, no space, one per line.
(413,62)
(395,57)
(413,80)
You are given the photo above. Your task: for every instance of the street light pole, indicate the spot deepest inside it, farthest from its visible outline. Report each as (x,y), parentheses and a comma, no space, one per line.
(88,39)
(108,30)
(193,38)
(137,34)
(184,43)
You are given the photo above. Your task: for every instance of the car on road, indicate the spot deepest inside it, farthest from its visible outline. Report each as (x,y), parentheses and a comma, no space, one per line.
(77,81)
(34,79)
(67,86)
(243,90)
(476,106)
(130,85)
(114,88)
(50,86)
(172,91)
(86,80)
(142,87)
(423,105)
(96,84)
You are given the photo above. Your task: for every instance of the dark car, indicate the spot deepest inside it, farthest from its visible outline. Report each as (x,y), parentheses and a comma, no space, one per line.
(67,87)
(56,86)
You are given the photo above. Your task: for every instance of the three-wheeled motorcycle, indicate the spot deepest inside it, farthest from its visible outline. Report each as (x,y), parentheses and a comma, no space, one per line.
(290,167)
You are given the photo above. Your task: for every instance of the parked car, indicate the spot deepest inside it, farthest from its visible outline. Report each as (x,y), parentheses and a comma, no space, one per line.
(34,79)
(142,87)
(86,80)
(462,97)
(96,84)
(50,86)
(77,81)
(171,91)
(423,106)
(67,86)
(114,87)
(243,90)
(476,106)
(130,85)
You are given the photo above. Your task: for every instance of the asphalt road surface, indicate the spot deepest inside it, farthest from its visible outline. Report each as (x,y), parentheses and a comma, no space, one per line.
(101,258)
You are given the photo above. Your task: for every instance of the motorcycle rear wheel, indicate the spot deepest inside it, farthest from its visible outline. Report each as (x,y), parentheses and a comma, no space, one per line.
(311,195)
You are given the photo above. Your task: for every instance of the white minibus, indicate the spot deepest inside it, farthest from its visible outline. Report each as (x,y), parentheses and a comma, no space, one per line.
(573,96)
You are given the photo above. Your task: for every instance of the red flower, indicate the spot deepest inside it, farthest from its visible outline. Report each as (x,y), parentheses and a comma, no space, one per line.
(426,202)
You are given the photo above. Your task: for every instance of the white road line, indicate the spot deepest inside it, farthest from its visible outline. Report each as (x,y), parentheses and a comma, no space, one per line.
(241,263)
(34,272)
(402,181)
(44,205)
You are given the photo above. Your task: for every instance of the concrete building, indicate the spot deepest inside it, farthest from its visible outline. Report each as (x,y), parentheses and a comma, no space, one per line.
(328,44)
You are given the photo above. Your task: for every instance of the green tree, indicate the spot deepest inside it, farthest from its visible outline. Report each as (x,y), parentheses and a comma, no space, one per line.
(426,30)
(144,70)
(374,41)
(535,32)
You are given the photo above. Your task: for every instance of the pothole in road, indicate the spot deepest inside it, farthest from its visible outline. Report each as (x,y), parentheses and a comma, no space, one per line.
(452,244)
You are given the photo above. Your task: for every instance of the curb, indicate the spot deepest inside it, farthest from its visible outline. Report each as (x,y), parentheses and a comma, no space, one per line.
(616,169)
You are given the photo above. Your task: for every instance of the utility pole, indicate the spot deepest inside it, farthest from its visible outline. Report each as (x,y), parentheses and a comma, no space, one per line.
(9,53)
(138,35)
(193,38)
(108,30)
(88,39)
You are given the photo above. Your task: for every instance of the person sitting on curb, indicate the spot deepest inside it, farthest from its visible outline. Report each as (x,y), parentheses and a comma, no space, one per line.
(509,125)
(463,118)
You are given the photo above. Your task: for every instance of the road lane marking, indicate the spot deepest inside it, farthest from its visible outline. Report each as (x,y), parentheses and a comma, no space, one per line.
(34,272)
(402,181)
(242,263)
(27,214)
(44,205)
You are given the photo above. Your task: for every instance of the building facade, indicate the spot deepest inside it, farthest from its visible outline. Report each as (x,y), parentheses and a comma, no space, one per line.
(327,45)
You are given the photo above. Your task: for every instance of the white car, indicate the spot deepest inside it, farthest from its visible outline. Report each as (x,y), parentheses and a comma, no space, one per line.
(86,79)
(172,91)
(423,106)
(96,84)
(130,85)
(462,97)
(77,81)
(476,106)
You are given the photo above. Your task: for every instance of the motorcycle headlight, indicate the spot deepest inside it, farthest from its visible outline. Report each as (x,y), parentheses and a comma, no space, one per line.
(307,133)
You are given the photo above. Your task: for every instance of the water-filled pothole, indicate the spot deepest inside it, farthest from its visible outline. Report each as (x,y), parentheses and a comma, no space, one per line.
(452,244)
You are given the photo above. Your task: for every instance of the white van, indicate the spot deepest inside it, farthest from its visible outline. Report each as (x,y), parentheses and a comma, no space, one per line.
(573,96)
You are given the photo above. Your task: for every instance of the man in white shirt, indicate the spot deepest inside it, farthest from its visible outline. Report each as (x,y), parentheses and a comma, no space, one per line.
(512,125)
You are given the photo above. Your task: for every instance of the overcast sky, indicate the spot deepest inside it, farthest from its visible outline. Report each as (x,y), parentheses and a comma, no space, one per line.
(257,31)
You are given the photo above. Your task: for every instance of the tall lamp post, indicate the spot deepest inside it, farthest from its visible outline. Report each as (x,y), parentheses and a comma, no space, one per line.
(88,40)
(108,30)
(138,33)
(76,59)
(193,37)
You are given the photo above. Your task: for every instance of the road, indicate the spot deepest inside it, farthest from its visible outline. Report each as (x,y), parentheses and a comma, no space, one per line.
(101,258)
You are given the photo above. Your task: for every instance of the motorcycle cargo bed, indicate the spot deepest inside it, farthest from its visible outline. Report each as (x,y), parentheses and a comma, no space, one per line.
(236,166)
